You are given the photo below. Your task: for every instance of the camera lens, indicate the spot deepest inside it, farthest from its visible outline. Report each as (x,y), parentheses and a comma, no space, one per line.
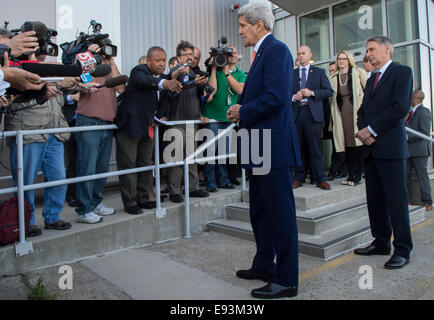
(221,60)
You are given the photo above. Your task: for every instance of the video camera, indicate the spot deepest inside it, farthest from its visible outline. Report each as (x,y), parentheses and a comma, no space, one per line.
(85,40)
(44,35)
(220,54)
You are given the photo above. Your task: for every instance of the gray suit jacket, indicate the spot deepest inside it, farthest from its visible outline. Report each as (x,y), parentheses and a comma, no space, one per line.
(421,122)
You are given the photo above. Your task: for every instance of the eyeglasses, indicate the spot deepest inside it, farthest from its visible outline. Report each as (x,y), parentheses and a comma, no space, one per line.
(186,54)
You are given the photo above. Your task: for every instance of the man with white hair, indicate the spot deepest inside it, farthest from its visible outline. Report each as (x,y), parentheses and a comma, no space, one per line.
(381,121)
(265,106)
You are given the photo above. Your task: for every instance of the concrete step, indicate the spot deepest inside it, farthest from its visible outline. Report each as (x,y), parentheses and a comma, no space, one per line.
(310,197)
(325,246)
(116,232)
(314,221)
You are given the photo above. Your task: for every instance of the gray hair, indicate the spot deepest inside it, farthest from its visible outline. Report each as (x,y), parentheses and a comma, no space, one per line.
(384,41)
(255,12)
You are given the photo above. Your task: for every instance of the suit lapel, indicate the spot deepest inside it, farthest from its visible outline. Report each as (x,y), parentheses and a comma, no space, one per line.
(384,78)
(310,76)
(258,57)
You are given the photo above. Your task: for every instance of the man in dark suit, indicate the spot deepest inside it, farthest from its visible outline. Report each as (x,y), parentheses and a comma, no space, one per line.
(419,119)
(311,87)
(265,108)
(145,98)
(381,123)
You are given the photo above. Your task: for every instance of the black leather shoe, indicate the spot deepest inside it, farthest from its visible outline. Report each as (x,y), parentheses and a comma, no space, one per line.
(372,250)
(134,210)
(199,194)
(396,262)
(177,198)
(148,205)
(34,231)
(274,291)
(331,177)
(253,275)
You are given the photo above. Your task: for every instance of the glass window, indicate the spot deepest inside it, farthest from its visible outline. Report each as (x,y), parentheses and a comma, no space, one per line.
(355,22)
(409,56)
(431,20)
(402,20)
(315,33)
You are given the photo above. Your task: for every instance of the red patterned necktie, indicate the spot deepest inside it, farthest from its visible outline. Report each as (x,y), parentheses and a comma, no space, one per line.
(376,81)
(410,115)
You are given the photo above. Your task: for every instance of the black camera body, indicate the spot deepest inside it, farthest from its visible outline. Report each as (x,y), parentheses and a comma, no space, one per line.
(4,48)
(44,35)
(220,54)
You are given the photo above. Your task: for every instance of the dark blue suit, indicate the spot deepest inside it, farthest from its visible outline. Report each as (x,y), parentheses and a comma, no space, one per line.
(309,121)
(384,110)
(266,104)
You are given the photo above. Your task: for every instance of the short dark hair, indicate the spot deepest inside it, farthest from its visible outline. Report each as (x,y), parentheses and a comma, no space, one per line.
(173,60)
(365,59)
(154,49)
(332,63)
(184,45)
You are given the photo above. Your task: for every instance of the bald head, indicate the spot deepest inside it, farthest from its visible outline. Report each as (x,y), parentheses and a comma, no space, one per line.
(304,55)
(418,97)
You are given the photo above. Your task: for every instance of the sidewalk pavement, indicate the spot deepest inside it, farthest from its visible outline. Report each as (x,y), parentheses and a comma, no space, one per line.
(203,268)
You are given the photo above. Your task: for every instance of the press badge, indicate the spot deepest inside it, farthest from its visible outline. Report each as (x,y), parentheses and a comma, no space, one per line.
(229,100)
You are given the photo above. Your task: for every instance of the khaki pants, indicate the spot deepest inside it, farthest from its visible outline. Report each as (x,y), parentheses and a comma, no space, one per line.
(132,154)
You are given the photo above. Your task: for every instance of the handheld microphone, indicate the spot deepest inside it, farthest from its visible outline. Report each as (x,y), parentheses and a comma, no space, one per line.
(64,70)
(87,61)
(114,82)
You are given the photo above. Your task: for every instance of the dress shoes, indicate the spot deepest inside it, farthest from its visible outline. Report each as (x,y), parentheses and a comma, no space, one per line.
(253,275)
(331,177)
(296,184)
(323,185)
(136,210)
(396,262)
(275,291)
(372,250)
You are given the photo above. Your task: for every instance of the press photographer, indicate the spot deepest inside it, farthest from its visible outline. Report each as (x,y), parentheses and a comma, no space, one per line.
(40,150)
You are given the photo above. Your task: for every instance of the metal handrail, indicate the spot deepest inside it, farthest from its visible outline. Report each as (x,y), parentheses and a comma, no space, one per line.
(24,247)
(188,161)
(420,135)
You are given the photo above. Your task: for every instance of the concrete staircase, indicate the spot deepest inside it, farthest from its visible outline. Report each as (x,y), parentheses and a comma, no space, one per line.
(330,223)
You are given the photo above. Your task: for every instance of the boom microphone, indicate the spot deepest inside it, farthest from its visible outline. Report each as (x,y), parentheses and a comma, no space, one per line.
(114,82)
(60,70)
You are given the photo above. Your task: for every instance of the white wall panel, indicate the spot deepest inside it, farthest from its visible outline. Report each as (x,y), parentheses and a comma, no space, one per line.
(144,24)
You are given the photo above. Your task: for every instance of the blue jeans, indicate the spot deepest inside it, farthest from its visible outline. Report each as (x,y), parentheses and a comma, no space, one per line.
(210,169)
(93,157)
(48,156)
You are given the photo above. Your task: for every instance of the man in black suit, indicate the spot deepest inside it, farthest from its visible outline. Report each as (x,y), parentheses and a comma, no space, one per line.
(311,87)
(145,98)
(419,119)
(381,123)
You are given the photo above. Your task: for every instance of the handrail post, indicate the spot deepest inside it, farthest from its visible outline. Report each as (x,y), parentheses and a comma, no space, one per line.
(23,247)
(160,213)
(187,200)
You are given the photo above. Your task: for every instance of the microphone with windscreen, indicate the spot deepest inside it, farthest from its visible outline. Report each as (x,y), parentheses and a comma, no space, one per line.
(114,82)
(67,70)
